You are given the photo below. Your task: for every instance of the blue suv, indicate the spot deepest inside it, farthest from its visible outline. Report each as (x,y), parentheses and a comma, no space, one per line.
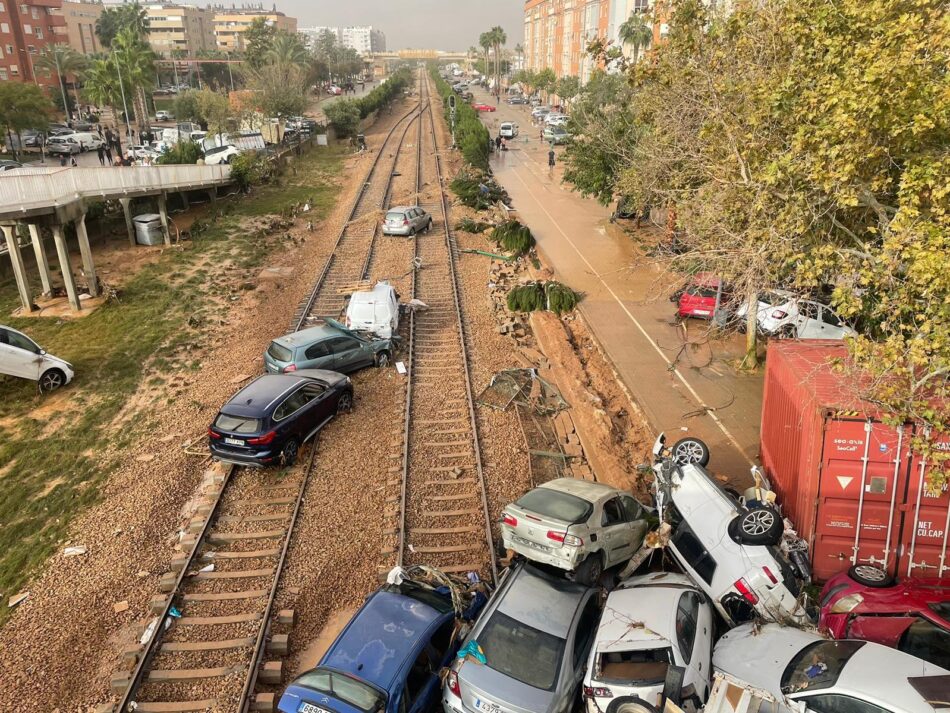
(268,420)
(386,660)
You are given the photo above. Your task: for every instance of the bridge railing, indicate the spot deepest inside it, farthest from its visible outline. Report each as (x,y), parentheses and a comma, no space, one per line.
(28,188)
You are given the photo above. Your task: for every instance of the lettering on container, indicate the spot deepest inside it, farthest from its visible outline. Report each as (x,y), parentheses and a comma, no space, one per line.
(840,524)
(925,529)
(848,445)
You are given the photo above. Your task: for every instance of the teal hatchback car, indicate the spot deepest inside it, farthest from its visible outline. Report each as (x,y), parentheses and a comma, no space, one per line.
(327,346)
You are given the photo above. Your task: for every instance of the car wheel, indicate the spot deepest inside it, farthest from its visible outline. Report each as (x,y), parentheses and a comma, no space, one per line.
(630,704)
(412,232)
(870,576)
(382,360)
(289,453)
(345,403)
(758,526)
(690,450)
(429,225)
(51,380)
(588,572)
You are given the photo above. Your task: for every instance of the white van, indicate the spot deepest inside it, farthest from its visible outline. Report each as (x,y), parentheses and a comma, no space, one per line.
(375,311)
(20,356)
(88,141)
(508,130)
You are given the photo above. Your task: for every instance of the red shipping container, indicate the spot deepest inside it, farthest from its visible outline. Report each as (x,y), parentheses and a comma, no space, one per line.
(850,483)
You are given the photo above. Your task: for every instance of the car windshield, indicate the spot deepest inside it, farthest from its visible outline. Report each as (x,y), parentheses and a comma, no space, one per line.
(773,298)
(521,652)
(279,352)
(701,291)
(818,665)
(346,688)
(555,505)
(237,424)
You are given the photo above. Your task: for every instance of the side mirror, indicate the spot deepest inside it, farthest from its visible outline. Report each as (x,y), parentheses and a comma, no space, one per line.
(42,352)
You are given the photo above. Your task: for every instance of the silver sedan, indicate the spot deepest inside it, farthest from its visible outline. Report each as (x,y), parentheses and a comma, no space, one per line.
(406,220)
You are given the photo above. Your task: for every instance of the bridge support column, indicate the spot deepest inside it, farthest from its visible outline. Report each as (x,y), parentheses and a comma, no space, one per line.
(184,200)
(88,266)
(62,251)
(163,213)
(127,209)
(41,262)
(213,195)
(19,270)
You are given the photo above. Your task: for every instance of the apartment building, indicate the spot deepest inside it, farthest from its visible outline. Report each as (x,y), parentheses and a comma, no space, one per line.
(365,40)
(26,28)
(231,24)
(557,32)
(80,18)
(187,29)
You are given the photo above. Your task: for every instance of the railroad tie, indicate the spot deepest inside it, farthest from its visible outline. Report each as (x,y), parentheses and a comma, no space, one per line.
(190,674)
(199,706)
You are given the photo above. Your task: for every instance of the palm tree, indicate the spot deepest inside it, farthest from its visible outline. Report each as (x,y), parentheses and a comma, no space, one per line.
(484,40)
(62,60)
(498,39)
(636,31)
(472,55)
(287,50)
(519,54)
(101,84)
(136,62)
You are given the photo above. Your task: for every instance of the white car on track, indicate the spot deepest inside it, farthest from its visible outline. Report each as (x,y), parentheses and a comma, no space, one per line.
(650,623)
(783,313)
(815,674)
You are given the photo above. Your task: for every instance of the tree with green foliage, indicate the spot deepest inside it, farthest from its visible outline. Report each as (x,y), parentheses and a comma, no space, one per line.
(567,88)
(114,19)
(61,60)
(637,32)
(287,49)
(498,39)
(135,63)
(545,80)
(208,108)
(258,41)
(344,116)
(101,84)
(22,106)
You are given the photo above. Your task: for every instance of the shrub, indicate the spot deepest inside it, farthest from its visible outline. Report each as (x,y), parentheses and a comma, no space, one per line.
(344,116)
(182,152)
(553,296)
(383,94)
(477,189)
(514,237)
(249,169)
(472,226)
(471,136)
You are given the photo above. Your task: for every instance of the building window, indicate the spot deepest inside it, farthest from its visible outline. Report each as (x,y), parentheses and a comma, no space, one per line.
(31,49)
(24,10)
(4,27)
(9,49)
(39,33)
(14,70)
(28,29)
(3,74)
(2,9)
(35,13)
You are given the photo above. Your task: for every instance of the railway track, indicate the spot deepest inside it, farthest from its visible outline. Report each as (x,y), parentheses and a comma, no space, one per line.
(442,514)
(214,629)
(352,254)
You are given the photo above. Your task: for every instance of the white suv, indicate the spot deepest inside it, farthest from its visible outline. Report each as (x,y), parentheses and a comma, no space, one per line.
(733,546)
(782,313)
(220,154)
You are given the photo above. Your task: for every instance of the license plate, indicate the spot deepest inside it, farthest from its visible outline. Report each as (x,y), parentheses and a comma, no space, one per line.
(234,441)
(487,706)
(529,543)
(310,708)
(704,312)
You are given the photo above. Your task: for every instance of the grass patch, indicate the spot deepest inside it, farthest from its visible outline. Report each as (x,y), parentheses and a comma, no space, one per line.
(53,460)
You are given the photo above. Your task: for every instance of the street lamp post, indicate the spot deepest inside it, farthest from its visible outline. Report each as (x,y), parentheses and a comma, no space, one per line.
(230,76)
(125,106)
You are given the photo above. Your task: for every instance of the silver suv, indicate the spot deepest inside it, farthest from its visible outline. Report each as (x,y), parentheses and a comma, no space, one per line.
(406,220)
(575,525)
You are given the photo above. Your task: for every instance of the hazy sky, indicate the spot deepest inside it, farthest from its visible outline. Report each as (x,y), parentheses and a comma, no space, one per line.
(430,24)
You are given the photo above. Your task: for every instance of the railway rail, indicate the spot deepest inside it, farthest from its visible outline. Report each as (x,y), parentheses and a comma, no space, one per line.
(443,518)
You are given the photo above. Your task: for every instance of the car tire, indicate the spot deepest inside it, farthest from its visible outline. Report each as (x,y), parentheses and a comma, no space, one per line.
(690,450)
(382,360)
(870,576)
(412,232)
(289,453)
(51,380)
(630,704)
(345,402)
(757,526)
(589,571)
(429,225)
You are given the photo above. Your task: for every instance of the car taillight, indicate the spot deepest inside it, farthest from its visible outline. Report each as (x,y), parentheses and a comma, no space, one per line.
(591,692)
(453,681)
(263,440)
(768,573)
(213,434)
(746,591)
(779,314)
(564,538)
(509,520)
(405,222)
(290,367)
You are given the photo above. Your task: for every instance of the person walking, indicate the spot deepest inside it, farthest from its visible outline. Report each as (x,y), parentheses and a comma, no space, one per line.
(497,143)
(72,161)
(108,153)
(101,153)
(551,160)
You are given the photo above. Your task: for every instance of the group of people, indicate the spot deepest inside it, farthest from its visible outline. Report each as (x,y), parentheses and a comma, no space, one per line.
(110,151)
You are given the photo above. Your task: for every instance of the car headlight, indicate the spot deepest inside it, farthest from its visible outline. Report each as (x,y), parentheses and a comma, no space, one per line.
(846,604)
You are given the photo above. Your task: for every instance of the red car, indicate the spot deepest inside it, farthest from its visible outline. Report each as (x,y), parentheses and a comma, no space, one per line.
(912,616)
(699,297)
(483,107)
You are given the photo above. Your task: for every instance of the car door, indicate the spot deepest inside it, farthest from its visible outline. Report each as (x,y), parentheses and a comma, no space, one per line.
(809,320)
(289,419)
(831,325)
(348,354)
(19,356)
(636,520)
(615,533)
(694,641)
(575,660)
(318,356)
(319,406)
(422,686)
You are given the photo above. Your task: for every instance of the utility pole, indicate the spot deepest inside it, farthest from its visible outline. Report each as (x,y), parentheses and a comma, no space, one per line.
(62,86)
(125,106)
(230,76)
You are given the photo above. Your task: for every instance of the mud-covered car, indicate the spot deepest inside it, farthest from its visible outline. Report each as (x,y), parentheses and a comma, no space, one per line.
(575,525)
(735,547)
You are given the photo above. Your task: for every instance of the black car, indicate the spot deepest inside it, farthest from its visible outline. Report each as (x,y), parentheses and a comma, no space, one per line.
(268,420)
